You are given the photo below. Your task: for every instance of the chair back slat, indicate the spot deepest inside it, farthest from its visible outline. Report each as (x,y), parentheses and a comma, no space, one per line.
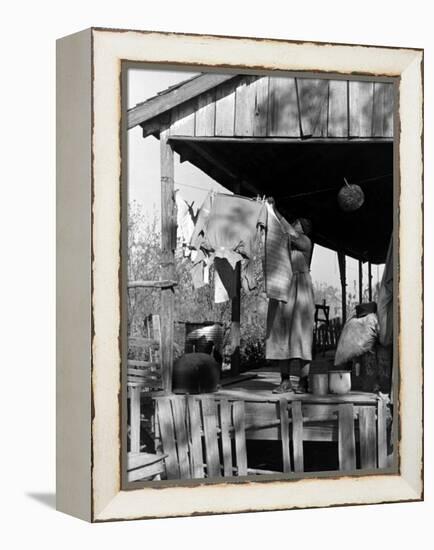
(382,433)
(167,432)
(282,414)
(134,393)
(225,426)
(180,422)
(209,413)
(238,414)
(346,437)
(297,436)
(367,438)
(195,438)
(146,372)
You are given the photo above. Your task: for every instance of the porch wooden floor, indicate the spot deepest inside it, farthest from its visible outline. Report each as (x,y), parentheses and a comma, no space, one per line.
(260,389)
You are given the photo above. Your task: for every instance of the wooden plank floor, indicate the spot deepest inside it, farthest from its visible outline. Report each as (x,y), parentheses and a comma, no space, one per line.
(260,405)
(260,388)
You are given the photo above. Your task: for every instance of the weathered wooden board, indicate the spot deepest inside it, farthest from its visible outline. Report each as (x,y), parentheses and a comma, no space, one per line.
(164,102)
(382,123)
(167,431)
(282,413)
(251,106)
(145,473)
(196,450)
(361,96)
(346,438)
(183,119)
(179,417)
(135,419)
(382,434)
(209,413)
(225,109)
(240,437)
(283,113)
(337,109)
(168,245)
(205,114)
(368,438)
(297,436)
(225,425)
(313,98)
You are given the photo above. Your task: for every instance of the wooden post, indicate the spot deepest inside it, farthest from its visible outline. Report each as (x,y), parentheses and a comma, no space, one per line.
(168,245)
(343,277)
(236,325)
(360,281)
(370,281)
(236,316)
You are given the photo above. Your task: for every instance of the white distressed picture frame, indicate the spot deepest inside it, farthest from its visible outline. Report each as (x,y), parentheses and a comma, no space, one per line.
(88,271)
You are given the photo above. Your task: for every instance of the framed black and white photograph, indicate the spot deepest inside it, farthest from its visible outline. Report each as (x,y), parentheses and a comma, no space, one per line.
(245,303)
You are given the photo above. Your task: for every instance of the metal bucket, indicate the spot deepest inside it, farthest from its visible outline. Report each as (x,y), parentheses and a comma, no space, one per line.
(320,384)
(204,337)
(339,382)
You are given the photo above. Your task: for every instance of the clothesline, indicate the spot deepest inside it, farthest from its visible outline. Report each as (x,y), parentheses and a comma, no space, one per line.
(367,180)
(196,186)
(229,193)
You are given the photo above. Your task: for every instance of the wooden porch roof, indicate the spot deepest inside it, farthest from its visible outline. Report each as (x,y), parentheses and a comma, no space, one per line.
(293,138)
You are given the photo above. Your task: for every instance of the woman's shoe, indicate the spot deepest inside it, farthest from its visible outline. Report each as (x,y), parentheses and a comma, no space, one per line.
(284,387)
(302,387)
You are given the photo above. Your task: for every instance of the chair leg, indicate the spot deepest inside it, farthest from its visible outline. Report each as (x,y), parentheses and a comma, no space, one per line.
(135,420)
(297,436)
(346,438)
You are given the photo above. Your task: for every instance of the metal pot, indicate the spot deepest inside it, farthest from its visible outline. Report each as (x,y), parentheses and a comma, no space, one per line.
(339,382)
(320,384)
(203,337)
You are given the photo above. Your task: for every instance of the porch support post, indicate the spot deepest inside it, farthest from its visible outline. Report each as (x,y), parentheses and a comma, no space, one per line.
(360,281)
(343,277)
(370,281)
(168,246)
(236,316)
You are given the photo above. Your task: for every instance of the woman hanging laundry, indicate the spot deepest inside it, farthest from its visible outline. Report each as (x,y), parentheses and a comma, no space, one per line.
(290,323)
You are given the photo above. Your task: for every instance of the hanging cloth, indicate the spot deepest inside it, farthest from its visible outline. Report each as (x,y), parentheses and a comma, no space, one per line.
(185,221)
(278,270)
(228,228)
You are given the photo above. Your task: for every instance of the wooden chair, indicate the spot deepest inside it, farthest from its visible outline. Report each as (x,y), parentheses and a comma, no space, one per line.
(326,333)
(368,425)
(144,466)
(143,376)
(350,423)
(199,435)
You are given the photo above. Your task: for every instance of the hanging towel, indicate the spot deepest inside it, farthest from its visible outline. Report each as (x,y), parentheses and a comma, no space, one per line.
(200,269)
(278,269)
(227,275)
(220,292)
(228,228)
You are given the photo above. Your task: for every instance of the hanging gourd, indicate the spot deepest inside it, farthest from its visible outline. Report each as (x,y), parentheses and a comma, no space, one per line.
(350,197)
